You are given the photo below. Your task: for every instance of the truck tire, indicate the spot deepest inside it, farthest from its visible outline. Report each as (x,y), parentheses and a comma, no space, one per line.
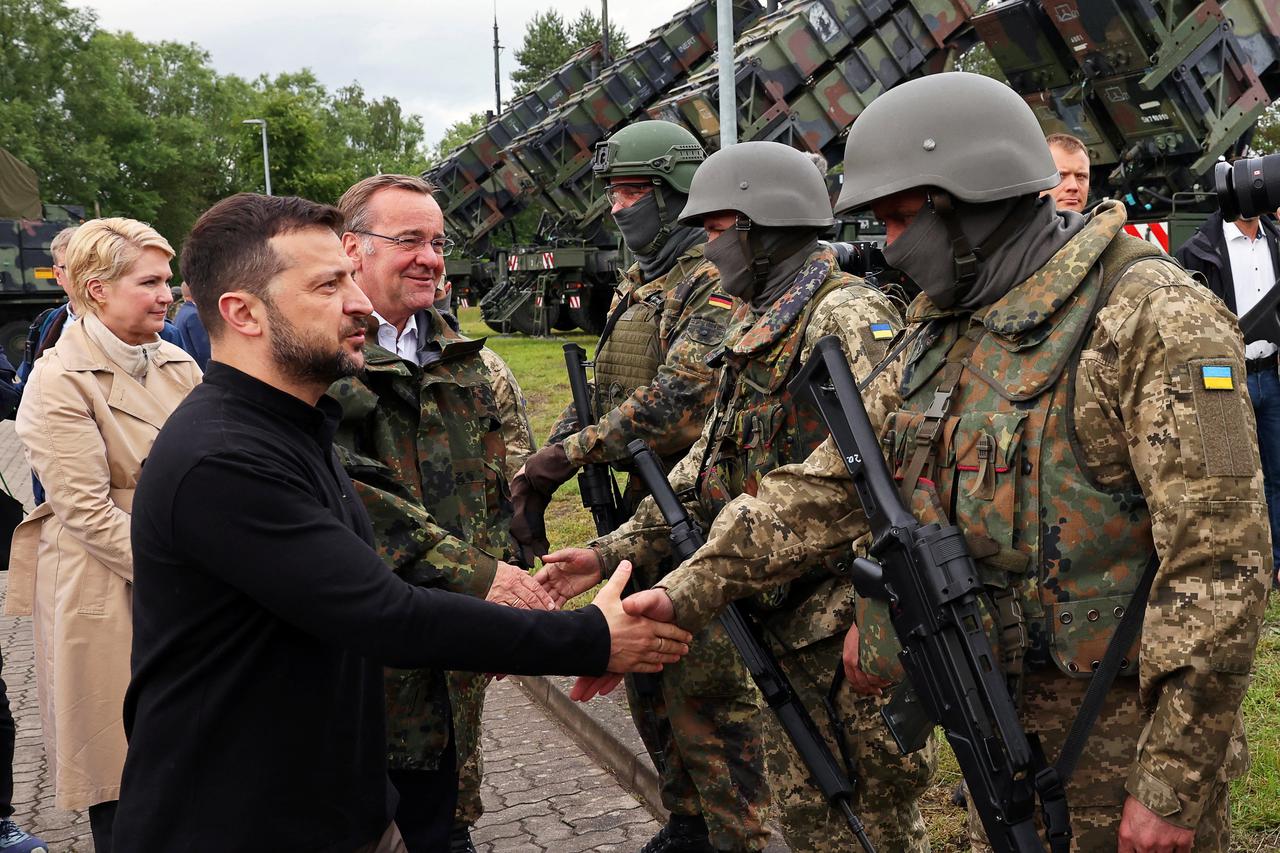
(525,321)
(593,311)
(13,338)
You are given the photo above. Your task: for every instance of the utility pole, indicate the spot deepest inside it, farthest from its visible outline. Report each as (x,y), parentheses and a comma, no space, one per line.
(605,57)
(497,75)
(724,57)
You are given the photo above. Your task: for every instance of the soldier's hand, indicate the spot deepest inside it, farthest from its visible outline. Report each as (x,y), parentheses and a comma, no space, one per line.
(1144,831)
(637,644)
(515,587)
(859,681)
(569,572)
(651,603)
(587,687)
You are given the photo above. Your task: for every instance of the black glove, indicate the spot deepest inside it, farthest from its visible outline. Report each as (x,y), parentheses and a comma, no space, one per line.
(531,491)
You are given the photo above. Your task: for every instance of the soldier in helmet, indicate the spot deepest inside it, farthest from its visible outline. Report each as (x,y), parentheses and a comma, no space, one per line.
(652,382)
(764,208)
(1075,403)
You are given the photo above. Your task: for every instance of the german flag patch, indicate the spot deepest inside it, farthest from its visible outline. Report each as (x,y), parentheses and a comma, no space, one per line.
(1217,378)
(719,300)
(881,331)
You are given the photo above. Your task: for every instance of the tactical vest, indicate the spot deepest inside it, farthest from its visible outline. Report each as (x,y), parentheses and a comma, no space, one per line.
(634,346)
(1060,556)
(630,357)
(759,425)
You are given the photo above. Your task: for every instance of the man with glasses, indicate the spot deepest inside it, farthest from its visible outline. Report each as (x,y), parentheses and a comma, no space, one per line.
(421,437)
(652,382)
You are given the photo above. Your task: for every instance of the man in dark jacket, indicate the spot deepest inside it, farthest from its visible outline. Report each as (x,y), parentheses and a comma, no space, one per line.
(1240,261)
(262,614)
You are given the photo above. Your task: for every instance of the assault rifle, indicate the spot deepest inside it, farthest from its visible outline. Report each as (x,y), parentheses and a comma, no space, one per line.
(686,538)
(602,499)
(929,579)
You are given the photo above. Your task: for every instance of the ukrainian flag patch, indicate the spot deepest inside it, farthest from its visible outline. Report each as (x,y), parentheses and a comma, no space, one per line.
(719,300)
(881,331)
(1217,378)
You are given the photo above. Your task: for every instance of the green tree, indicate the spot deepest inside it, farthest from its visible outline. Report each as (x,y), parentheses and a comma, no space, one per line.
(456,134)
(546,46)
(585,30)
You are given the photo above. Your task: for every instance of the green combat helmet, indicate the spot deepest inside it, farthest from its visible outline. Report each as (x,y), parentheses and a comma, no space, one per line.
(658,150)
(969,135)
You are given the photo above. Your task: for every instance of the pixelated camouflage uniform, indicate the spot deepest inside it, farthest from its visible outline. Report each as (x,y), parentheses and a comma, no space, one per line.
(425,449)
(708,726)
(757,426)
(517,435)
(1076,444)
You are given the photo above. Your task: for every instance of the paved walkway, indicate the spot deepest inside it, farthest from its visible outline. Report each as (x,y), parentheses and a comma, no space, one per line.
(541,791)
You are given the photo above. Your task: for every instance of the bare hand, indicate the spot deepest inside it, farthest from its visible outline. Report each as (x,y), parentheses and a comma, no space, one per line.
(637,644)
(569,572)
(515,587)
(1144,831)
(861,682)
(588,687)
(652,604)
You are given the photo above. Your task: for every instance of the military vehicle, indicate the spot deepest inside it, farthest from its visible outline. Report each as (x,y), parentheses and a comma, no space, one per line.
(1157,89)
(27,226)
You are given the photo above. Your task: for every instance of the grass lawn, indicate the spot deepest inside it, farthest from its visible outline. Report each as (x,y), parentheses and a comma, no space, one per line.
(1255,799)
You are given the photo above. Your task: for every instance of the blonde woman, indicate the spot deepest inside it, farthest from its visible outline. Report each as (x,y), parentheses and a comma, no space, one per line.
(89,415)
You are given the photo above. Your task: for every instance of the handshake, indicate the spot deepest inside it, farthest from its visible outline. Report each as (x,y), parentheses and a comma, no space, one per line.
(642,636)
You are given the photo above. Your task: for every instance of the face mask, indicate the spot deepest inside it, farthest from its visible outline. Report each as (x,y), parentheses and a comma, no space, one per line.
(641,224)
(736,276)
(922,252)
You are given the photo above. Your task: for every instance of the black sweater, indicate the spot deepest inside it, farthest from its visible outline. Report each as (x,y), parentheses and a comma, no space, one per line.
(262,618)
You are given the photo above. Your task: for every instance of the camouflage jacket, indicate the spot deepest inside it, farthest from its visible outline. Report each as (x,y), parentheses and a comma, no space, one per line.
(757,425)
(668,412)
(1152,423)
(517,435)
(425,450)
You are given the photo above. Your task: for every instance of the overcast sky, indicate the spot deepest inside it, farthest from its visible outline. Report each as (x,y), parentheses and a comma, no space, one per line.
(434,56)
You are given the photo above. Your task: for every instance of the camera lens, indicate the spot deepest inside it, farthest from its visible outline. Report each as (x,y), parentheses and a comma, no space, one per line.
(1248,187)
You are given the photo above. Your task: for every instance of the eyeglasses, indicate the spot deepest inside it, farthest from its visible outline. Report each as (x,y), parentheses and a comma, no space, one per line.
(442,246)
(626,193)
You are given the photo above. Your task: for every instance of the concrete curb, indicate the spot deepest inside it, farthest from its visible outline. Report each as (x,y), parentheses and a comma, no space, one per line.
(603,729)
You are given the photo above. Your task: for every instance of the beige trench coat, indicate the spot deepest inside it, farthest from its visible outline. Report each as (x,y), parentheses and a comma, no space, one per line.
(87,426)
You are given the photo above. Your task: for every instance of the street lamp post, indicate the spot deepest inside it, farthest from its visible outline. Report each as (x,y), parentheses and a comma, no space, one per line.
(266,158)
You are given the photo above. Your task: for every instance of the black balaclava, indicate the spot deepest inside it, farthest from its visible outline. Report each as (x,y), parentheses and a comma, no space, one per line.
(651,233)
(1024,233)
(776,255)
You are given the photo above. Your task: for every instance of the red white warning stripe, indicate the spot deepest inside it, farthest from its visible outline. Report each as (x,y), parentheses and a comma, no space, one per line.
(575,301)
(511,262)
(548,260)
(1152,232)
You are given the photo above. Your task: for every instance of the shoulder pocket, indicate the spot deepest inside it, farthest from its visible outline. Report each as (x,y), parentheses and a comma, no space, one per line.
(704,331)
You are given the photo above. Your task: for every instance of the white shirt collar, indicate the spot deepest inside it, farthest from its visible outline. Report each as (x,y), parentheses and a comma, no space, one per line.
(1232,231)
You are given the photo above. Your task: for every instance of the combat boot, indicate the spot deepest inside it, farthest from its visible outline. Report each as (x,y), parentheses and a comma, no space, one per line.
(682,834)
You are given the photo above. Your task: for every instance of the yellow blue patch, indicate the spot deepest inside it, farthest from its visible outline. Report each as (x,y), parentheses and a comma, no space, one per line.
(881,331)
(1217,378)
(720,300)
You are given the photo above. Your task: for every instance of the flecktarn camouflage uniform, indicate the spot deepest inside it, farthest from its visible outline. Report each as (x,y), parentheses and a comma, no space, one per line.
(709,721)
(432,475)
(517,435)
(1087,429)
(757,425)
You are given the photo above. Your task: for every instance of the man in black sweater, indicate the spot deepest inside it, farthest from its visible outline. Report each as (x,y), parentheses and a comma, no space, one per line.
(262,615)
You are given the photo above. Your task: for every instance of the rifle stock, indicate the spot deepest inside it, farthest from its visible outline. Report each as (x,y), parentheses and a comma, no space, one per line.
(928,578)
(687,538)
